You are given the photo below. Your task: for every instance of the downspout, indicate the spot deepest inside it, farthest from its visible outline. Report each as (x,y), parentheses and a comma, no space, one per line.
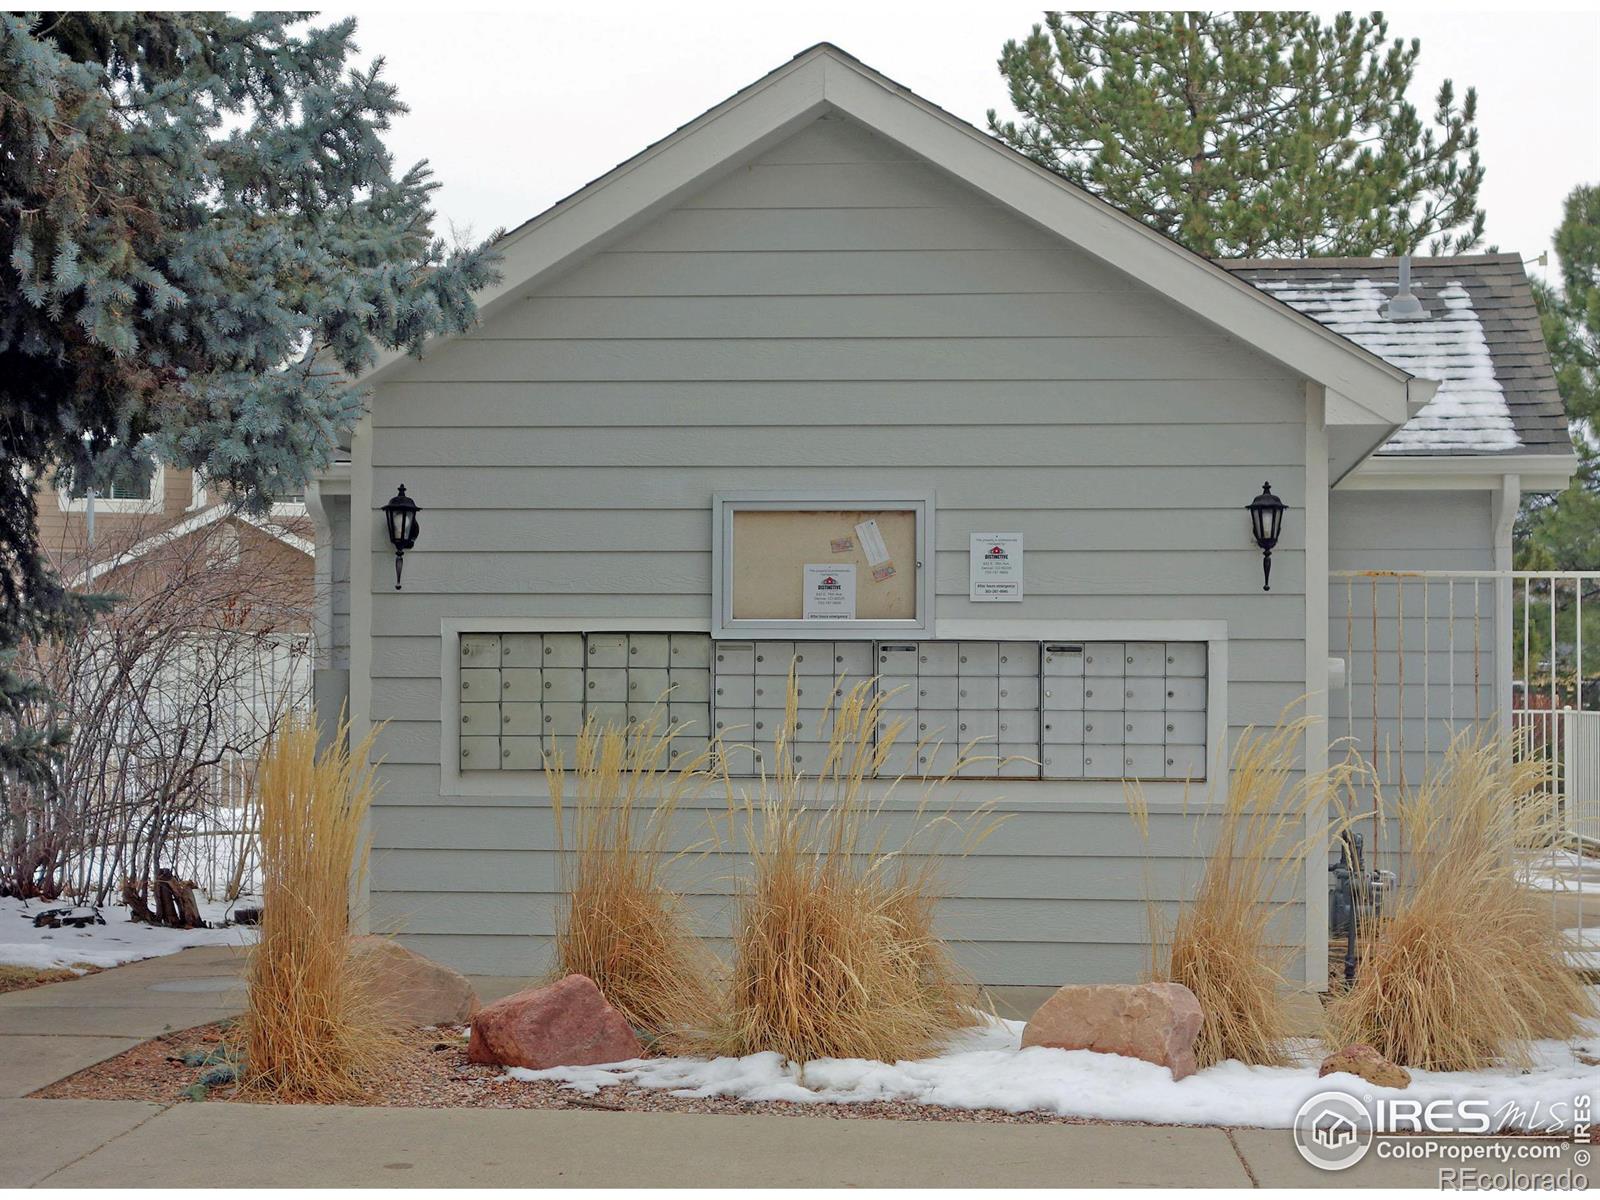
(1507,502)
(328,687)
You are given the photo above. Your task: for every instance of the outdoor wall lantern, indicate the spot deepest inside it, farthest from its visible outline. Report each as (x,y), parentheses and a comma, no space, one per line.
(1266,523)
(400,514)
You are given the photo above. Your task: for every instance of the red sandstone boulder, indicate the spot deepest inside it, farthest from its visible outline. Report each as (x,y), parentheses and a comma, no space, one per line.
(1365,1062)
(1157,1022)
(567,1024)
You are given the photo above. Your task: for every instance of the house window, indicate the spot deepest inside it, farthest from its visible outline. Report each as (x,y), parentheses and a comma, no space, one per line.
(138,491)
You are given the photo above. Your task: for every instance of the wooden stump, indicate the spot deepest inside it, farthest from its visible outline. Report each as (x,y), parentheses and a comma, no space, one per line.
(175,903)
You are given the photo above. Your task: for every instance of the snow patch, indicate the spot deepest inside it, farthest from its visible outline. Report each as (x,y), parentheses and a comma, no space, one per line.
(984,1068)
(118,941)
(1469,410)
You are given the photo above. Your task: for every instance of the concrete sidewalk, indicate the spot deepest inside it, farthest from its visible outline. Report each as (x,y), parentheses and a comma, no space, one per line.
(50,1032)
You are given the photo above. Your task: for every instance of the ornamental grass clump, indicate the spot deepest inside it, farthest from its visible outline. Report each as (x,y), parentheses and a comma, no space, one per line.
(621,924)
(834,951)
(1465,969)
(312,1029)
(1224,945)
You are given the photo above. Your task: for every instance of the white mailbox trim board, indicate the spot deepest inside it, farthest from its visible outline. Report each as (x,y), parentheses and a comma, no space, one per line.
(724,504)
(1051,789)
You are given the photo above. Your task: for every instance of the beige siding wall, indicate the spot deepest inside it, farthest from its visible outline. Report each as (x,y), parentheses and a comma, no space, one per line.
(832,315)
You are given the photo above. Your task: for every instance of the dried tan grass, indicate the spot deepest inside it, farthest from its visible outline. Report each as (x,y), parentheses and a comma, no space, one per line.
(834,950)
(1221,946)
(1466,969)
(312,1030)
(620,924)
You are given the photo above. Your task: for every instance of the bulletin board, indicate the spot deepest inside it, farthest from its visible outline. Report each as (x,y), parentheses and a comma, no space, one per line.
(772,546)
(763,544)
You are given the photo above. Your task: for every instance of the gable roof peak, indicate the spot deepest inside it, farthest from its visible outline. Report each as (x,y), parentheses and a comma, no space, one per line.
(783,101)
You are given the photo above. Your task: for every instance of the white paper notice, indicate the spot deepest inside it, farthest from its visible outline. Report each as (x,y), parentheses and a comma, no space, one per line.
(872,543)
(995,567)
(830,592)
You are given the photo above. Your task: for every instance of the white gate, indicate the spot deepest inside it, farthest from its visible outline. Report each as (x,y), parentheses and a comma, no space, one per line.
(1430,653)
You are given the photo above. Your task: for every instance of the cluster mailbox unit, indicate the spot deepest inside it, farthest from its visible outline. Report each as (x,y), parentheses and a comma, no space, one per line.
(1014,709)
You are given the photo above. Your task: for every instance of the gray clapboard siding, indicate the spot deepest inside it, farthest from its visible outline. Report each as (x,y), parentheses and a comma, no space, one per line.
(764,403)
(479,953)
(556,530)
(1194,356)
(1093,830)
(1271,616)
(994,314)
(1072,486)
(1042,445)
(1038,876)
(838,273)
(1101,572)
(833,316)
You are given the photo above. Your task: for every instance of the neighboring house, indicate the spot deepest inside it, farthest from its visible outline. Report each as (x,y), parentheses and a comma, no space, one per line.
(825,303)
(177,551)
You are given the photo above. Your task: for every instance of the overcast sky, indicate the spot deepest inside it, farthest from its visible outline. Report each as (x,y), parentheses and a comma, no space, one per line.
(516,109)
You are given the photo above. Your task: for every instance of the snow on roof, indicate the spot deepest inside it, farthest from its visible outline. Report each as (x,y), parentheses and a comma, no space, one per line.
(1469,412)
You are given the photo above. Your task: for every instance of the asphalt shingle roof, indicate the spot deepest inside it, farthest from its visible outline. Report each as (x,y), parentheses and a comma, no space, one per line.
(1481,340)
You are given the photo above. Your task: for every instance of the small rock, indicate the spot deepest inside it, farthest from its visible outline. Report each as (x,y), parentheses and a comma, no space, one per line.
(220,1076)
(567,1024)
(410,988)
(1365,1062)
(1156,1022)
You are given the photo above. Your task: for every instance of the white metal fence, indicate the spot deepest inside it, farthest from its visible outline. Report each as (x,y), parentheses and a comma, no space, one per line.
(1429,654)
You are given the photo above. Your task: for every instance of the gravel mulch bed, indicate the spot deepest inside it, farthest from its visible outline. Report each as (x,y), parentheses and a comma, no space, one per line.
(434,1073)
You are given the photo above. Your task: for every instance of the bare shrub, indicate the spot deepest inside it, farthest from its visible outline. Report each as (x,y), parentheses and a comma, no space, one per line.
(168,698)
(1465,969)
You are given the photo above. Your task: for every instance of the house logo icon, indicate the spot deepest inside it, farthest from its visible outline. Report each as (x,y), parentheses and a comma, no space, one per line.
(1333,1131)
(995,552)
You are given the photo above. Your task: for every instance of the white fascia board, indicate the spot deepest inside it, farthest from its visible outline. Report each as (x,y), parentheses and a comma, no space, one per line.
(334,479)
(1418,392)
(1396,472)
(772,108)
(1125,243)
(737,130)
(287,536)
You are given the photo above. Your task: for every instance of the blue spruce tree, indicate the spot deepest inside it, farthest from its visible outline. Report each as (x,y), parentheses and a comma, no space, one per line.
(202,240)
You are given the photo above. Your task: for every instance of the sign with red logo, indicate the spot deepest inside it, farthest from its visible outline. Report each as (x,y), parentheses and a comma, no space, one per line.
(830,592)
(995,567)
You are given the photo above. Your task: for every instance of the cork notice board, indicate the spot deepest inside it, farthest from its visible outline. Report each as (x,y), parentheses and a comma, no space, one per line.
(770,548)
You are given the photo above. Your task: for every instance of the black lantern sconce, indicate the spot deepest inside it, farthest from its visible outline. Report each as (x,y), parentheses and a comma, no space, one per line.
(400,514)
(1266,523)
